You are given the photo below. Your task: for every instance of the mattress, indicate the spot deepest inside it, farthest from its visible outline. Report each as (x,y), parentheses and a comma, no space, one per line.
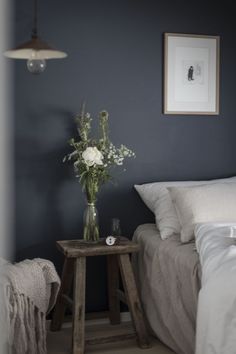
(168,276)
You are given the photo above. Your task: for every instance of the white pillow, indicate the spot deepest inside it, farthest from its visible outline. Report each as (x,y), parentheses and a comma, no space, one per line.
(157,198)
(206,203)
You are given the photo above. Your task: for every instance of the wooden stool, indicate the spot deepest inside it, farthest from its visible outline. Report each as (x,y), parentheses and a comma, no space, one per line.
(75,253)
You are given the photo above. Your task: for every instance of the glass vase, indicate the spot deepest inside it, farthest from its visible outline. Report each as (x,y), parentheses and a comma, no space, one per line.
(91,226)
(115,227)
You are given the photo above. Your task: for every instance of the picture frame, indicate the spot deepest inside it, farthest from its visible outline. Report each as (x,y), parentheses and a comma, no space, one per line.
(191,74)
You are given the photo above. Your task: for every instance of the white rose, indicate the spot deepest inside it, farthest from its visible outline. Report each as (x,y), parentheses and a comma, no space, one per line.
(92,156)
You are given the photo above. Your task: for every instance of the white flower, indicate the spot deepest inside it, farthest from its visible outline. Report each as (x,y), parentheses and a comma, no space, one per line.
(92,156)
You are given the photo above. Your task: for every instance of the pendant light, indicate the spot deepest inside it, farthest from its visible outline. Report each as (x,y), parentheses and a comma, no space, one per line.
(35,51)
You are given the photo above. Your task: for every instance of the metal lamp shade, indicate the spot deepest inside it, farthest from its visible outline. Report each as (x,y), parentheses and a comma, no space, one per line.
(44,51)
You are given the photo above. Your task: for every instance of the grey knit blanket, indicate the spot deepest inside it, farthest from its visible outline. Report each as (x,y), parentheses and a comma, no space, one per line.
(28,291)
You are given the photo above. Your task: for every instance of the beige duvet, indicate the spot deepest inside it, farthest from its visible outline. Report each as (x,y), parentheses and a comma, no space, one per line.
(168,275)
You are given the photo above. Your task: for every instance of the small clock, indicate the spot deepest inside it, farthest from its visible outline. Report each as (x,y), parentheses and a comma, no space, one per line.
(110,240)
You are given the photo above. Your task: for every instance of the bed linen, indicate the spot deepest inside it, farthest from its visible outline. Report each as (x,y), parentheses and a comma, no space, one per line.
(202,204)
(168,276)
(157,198)
(216,318)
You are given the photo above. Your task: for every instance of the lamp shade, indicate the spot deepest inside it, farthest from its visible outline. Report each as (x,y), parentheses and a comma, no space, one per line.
(26,50)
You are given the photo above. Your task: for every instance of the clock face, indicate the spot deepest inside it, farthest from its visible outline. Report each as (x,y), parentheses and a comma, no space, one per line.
(110,240)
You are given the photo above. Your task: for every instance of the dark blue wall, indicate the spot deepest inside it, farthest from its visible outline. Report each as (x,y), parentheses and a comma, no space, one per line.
(115,62)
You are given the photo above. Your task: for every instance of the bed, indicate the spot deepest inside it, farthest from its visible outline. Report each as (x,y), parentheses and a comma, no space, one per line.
(186,301)
(168,275)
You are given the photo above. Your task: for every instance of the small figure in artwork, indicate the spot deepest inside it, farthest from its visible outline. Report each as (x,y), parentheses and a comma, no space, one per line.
(190,73)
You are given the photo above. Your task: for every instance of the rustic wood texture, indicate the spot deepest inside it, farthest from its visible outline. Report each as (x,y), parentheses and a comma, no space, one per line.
(104,333)
(113,285)
(81,248)
(66,282)
(133,300)
(75,252)
(79,306)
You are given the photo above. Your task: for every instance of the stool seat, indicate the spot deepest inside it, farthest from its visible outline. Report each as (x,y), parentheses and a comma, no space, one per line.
(81,248)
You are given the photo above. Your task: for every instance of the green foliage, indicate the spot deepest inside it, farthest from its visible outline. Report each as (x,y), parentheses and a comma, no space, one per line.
(93,158)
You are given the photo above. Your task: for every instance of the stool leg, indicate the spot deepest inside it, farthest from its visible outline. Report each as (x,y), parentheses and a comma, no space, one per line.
(66,280)
(113,286)
(133,300)
(79,306)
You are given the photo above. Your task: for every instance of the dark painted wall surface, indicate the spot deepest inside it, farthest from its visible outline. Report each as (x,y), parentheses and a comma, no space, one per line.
(115,62)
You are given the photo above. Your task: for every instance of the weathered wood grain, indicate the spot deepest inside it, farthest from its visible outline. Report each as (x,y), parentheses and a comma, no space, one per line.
(75,252)
(104,333)
(79,306)
(133,300)
(81,248)
(113,285)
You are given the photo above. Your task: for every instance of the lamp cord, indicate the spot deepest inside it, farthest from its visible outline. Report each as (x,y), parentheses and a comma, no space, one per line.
(35,23)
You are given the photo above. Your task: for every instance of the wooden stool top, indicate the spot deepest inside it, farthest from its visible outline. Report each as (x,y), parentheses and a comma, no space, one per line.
(81,248)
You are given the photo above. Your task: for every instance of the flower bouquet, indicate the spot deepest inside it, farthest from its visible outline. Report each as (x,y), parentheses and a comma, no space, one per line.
(93,159)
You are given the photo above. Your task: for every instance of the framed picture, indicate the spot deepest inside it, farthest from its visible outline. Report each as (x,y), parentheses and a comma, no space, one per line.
(191,74)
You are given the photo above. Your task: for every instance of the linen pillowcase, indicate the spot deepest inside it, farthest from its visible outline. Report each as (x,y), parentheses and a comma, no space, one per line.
(157,198)
(200,204)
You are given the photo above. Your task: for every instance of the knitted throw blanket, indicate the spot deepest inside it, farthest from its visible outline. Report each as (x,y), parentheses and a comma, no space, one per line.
(29,290)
